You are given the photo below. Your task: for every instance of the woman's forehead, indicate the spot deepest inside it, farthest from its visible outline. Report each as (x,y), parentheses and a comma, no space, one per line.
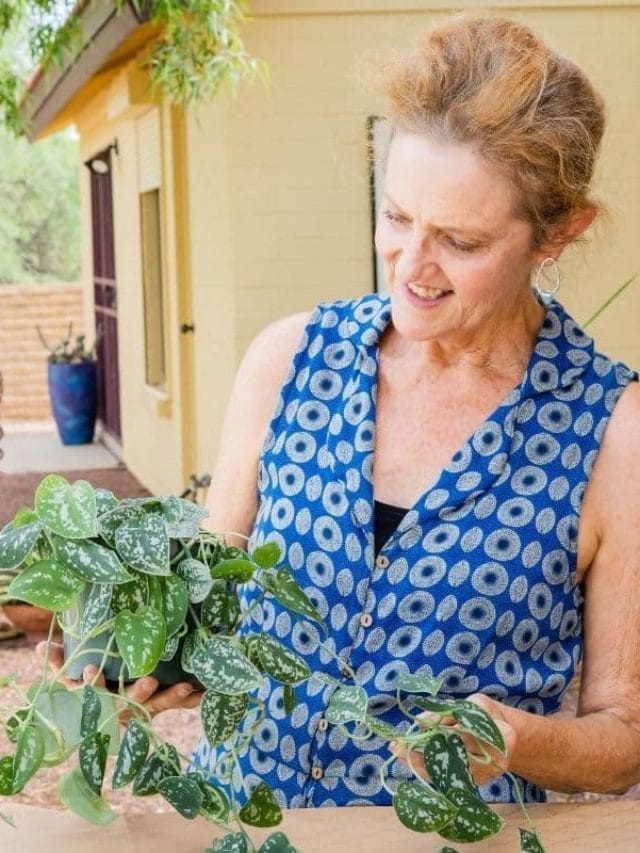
(429,178)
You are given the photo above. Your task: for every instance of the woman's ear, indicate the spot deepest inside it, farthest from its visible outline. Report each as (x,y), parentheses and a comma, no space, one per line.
(566,231)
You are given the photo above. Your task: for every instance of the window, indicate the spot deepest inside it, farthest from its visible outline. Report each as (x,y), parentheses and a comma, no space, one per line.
(149,183)
(155,371)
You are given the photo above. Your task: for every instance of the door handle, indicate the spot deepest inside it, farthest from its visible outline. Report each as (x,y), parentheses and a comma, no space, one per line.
(187,327)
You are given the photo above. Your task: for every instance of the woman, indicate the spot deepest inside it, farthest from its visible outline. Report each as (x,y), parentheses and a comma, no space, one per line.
(448,472)
(475,418)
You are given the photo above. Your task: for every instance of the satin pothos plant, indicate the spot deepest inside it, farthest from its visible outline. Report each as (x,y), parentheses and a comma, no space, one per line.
(139,588)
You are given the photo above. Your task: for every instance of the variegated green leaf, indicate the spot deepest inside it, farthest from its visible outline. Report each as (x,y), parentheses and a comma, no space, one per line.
(143,544)
(221,666)
(105,501)
(47,584)
(279,662)
(236,569)
(277,842)
(183,794)
(28,758)
(91,710)
(283,586)
(267,555)
(475,720)
(6,776)
(289,698)
(422,808)
(196,577)
(141,637)
(175,602)
(220,715)
(170,648)
(529,842)
(96,607)
(220,609)
(261,809)
(234,842)
(92,757)
(90,561)
(132,595)
(473,819)
(447,763)
(419,684)
(16,543)
(156,768)
(132,754)
(68,510)
(110,521)
(348,704)
(78,797)
(215,804)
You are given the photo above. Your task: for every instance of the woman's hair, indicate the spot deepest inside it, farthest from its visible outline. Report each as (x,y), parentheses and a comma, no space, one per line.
(493,84)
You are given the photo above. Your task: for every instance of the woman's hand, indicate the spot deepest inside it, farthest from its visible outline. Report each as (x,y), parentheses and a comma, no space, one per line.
(144,691)
(481,770)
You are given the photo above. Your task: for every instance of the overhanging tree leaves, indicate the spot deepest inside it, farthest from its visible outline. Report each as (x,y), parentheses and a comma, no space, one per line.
(199,46)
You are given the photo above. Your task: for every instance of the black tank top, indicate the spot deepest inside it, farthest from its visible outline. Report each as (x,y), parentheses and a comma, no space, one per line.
(385,520)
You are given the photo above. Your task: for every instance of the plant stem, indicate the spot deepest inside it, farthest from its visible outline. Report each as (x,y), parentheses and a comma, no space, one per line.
(608,302)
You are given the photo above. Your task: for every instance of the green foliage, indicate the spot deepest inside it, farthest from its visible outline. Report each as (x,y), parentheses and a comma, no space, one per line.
(129,580)
(199,48)
(39,209)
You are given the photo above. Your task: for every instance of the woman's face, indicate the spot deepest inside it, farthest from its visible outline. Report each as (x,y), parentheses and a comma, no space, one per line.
(457,256)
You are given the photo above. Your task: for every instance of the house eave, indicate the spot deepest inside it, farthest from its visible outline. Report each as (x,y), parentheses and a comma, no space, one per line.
(109,38)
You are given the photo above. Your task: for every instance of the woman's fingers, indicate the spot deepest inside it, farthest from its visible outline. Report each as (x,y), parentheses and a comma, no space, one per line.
(56,654)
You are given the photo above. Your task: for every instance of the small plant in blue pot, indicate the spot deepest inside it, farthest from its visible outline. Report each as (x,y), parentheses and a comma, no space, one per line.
(72,377)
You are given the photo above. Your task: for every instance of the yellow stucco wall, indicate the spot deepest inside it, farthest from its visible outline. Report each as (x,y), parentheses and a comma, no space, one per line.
(277,188)
(285,178)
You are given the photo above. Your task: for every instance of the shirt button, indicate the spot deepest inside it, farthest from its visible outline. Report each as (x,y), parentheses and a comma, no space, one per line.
(317,773)
(323,725)
(366,620)
(382,562)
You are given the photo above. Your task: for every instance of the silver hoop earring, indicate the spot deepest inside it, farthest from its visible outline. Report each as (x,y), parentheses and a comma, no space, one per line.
(546,296)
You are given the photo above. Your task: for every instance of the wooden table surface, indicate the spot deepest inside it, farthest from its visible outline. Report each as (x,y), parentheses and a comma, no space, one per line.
(610,827)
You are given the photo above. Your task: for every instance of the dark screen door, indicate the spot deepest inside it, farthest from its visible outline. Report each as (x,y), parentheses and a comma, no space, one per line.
(106,302)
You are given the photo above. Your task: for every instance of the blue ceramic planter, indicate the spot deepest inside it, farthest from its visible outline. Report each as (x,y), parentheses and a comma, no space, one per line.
(74,399)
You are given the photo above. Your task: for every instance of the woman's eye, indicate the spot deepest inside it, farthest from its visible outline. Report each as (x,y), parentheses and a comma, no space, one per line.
(460,247)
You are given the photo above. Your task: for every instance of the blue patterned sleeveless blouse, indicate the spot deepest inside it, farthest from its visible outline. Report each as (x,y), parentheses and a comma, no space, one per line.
(477,585)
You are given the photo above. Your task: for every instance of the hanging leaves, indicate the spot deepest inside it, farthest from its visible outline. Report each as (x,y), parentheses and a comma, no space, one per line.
(143,544)
(261,809)
(421,808)
(530,842)
(141,638)
(77,796)
(220,714)
(267,555)
(446,760)
(279,662)
(131,755)
(196,578)
(183,794)
(47,584)
(90,561)
(16,543)
(473,819)
(93,760)
(68,510)
(218,664)
(348,704)
(28,758)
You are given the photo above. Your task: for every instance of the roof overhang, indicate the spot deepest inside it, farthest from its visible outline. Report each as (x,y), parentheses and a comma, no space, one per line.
(109,38)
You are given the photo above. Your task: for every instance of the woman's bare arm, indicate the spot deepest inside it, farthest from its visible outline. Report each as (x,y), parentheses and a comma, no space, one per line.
(232,498)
